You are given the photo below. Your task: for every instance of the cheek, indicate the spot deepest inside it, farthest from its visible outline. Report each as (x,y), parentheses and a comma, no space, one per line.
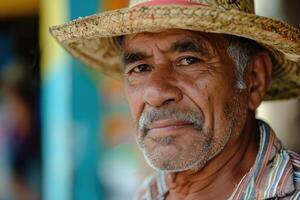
(134,97)
(199,95)
(210,97)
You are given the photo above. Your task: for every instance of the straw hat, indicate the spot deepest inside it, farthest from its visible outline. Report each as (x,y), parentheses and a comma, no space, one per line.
(92,39)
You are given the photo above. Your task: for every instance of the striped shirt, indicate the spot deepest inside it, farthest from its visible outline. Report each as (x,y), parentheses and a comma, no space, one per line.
(275,174)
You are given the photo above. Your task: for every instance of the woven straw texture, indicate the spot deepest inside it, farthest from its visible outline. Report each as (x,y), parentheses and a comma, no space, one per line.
(92,39)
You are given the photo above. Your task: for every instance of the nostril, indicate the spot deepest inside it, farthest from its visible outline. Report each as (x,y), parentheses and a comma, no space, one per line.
(168,101)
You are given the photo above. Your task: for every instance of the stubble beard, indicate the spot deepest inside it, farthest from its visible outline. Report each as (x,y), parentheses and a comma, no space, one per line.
(193,156)
(201,149)
(199,154)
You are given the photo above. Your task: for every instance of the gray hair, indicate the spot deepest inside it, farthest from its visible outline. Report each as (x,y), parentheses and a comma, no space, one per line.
(242,51)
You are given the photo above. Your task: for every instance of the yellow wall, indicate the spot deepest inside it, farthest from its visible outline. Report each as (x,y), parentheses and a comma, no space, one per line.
(15,8)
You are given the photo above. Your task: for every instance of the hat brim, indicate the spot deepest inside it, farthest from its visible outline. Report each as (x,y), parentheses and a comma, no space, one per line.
(91,39)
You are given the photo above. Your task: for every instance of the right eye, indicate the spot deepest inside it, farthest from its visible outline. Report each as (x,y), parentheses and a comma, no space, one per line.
(140,69)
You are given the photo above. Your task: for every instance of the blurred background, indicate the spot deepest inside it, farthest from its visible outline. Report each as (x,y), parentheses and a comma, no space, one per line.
(65,130)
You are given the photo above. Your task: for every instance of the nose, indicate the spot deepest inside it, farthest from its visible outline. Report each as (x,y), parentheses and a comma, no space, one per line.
(161,90)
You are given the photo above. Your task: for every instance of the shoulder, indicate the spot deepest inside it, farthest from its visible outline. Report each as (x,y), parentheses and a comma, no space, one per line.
(291,187)
(295,161)
(295,158)
(280,176)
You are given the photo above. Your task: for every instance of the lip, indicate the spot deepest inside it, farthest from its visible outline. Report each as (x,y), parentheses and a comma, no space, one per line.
(167,125)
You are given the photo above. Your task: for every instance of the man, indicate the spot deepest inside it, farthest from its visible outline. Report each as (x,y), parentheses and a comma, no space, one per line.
(193,88)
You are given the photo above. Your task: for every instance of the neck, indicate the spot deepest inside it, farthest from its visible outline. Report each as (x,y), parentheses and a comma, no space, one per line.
(222,174)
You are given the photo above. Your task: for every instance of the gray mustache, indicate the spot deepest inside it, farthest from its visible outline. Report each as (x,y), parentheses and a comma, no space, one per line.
(193,117)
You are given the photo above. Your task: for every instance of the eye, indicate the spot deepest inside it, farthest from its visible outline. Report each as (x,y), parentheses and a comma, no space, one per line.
(141,68)
(187,61)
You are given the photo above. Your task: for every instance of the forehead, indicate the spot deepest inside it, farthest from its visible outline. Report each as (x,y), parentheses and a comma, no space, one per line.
(163,40)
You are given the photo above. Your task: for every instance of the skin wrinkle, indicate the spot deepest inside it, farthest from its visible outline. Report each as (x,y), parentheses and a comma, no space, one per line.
(179,46)
(201,155)
(234,45)
(132,57)
(185,187)
(190,45)
(216,145)
(202,49)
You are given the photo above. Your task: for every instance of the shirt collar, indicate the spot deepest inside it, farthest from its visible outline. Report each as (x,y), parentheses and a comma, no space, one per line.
(272,161)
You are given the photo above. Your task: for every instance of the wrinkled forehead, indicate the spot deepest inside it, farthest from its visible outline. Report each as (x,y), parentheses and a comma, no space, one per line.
(167,38)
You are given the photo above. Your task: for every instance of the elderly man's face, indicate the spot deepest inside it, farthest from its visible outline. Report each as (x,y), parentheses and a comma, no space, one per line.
(181,91)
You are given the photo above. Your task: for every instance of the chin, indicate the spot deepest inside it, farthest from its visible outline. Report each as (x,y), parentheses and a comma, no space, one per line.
(175,163)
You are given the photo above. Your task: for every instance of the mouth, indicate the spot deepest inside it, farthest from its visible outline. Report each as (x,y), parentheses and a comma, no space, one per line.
(167,127)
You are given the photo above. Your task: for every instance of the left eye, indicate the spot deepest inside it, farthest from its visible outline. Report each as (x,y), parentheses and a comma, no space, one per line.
(188,61)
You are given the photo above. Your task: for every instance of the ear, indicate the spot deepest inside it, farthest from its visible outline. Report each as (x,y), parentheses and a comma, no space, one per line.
(258,76)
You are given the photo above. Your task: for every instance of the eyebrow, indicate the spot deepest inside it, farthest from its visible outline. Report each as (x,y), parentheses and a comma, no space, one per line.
(188,45)
(132,57)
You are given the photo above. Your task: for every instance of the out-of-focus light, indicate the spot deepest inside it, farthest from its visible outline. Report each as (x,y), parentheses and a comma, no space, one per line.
(15,8)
